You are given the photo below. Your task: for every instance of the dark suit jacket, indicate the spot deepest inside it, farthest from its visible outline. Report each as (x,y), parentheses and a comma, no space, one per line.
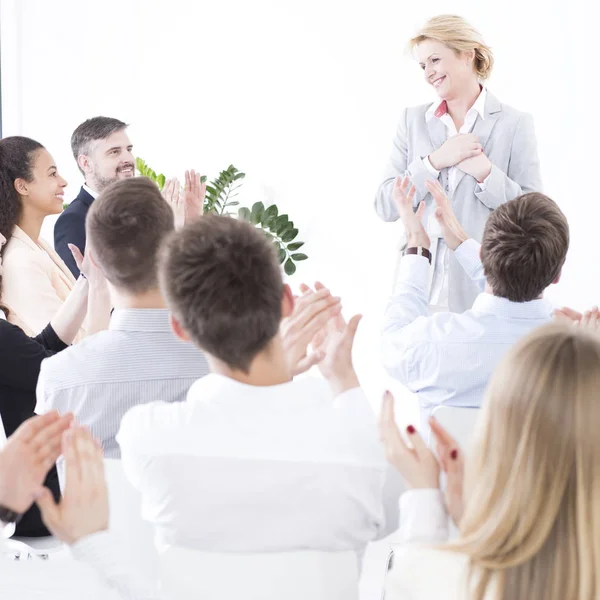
(70,229)
(20,362)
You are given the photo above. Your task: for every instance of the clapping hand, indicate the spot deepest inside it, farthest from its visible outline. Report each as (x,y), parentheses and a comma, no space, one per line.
(27,457)
(452,462)
(83,509)
(86,265)
(418,465)
(454,234)
(334,342)
(590,320)
(403,198)
(189,204)
(312,312)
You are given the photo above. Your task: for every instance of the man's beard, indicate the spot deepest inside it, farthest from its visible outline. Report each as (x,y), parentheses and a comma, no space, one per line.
(103,182)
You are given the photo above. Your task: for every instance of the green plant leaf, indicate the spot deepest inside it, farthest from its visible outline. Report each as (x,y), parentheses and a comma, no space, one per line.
(285,227)
(299,256)
(280,221)
(282,254)
(289,267)
(203,179)
(288,236)
(161,181)
(244,213)
(258,208)
(295,246)
(270,213)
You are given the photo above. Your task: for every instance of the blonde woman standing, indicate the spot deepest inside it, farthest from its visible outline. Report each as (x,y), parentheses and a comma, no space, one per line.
(529,516)
(482,151)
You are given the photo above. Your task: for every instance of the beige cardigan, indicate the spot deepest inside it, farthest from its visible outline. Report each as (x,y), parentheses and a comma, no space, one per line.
(35,282)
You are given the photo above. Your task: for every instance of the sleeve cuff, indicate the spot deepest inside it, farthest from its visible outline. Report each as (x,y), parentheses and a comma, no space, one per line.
(414,271)
(483,184)
(468,256)
(423,516)
(433,172)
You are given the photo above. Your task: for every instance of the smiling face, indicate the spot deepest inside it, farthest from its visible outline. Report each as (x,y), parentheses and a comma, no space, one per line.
(108,160)
(447,72)
(44,194)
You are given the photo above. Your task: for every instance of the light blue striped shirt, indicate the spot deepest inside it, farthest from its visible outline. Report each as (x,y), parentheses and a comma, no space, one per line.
(448,358)
(137,360)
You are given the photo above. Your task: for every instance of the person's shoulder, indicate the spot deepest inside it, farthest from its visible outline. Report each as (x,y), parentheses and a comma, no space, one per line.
(411,575)
(417,112)
(507,111)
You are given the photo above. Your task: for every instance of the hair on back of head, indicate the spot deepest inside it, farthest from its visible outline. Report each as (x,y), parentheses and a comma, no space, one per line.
(222,281)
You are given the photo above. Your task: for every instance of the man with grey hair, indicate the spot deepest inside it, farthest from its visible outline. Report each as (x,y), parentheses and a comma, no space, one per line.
(103,153)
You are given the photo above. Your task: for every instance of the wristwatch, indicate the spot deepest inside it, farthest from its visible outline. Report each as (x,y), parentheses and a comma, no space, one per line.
(9,516)
(419,251)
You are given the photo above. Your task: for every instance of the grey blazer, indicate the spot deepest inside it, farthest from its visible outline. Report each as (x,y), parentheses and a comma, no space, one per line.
(508,139)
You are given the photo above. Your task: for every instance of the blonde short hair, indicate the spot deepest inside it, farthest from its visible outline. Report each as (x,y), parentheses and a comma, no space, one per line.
(460,36)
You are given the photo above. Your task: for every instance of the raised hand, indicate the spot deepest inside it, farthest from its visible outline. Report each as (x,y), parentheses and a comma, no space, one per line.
(418,465)
(454,234)
(567,315)
(193,195)
(83,509)
(590,320)
(172,194)
(455,150)
(403,198)
(452,461)
(86,266)
(312,312)
(27,457)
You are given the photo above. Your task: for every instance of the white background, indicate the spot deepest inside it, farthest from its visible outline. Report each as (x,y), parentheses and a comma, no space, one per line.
(304,97)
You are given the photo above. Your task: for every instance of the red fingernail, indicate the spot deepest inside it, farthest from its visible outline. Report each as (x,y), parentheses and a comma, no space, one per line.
(454,454)
(410,429)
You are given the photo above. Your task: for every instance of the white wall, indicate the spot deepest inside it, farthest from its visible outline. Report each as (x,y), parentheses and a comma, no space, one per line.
(304,97)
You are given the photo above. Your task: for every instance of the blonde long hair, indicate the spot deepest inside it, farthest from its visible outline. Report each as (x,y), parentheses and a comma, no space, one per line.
(531,525)
(459,35)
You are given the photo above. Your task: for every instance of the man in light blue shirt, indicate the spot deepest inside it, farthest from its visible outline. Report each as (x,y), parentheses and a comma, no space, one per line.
(448,358)
(138,359)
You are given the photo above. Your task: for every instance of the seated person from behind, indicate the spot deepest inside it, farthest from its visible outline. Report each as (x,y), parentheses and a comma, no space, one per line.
(253,461)
(138,359)
(447,358)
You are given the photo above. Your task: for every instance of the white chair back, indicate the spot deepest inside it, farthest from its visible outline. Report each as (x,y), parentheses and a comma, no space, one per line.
(125,518)
(300,575)
(459,422)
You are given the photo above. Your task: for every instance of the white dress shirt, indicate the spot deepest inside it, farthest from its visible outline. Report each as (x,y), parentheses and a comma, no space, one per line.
(422,568)
(439,269)
(448,358)
(137,360)
(244,468)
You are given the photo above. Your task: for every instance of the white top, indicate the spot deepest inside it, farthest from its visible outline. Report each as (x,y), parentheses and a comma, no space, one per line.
(448,358)
(243,468)
(439,277)
(102,572)
(422,568)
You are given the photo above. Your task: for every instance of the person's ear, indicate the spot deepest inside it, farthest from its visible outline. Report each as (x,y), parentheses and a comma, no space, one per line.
(178,330)
(21,187)
(557,278)
(469,56)
(83,162)
(287,302)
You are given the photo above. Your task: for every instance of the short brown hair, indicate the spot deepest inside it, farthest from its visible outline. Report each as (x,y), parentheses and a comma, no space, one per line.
(126,226)
(222,281)
(524,246)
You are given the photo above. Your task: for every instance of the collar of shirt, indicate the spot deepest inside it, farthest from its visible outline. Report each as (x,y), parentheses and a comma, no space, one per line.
(490,304)
(90,191)
(141,319)
(2,315)
(439,109)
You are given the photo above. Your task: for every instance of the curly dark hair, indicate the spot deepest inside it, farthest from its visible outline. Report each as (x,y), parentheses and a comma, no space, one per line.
(17,157)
